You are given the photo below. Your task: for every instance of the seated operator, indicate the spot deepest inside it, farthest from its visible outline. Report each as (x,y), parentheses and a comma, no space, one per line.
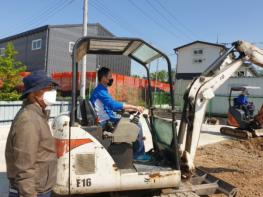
(242,98)
(105,107)
(242,102)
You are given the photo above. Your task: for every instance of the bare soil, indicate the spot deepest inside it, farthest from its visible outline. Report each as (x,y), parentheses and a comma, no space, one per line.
(238,162)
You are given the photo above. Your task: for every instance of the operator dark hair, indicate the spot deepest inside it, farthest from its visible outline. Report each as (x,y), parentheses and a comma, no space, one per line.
(103,71)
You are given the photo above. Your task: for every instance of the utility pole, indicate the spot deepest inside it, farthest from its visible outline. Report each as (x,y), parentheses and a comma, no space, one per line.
(156,76)
(96,80)
(84,59)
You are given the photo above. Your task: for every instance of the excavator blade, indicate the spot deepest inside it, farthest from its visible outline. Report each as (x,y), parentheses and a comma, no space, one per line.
(258,133)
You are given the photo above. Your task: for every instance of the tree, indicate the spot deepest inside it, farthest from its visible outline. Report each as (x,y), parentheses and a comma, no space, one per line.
(136,76)
(161,75)
(10,70)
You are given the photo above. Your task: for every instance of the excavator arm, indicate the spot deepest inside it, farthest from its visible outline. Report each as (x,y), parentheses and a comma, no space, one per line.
(202,89)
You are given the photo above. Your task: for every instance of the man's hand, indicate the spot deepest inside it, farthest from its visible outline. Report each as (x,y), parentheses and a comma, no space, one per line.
(128,107)
(140,109)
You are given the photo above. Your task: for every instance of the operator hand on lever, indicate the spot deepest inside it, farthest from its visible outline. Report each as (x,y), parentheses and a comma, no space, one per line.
(130,108)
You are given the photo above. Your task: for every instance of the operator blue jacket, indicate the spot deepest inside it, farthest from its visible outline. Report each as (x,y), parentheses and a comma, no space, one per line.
(104,104)
(241,100)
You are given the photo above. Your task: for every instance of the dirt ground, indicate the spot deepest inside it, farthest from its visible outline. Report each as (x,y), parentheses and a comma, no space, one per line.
(238,162)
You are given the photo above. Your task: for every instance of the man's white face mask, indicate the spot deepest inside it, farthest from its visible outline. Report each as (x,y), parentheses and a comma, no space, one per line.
(49,97)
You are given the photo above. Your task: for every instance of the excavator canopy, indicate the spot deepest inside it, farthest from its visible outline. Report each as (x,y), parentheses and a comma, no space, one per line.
(136,49)
(243,87)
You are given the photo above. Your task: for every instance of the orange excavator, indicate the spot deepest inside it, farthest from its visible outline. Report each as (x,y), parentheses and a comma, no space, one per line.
(240,116)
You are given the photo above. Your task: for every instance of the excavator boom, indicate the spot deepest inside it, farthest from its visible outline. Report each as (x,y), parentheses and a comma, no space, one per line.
(202,89)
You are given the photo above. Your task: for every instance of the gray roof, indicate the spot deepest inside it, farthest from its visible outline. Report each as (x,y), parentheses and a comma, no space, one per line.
(202,42)
(45,27)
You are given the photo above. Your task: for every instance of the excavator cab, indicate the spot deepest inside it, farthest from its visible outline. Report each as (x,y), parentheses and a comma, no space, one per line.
(241,115)
(90,161)
(241,112)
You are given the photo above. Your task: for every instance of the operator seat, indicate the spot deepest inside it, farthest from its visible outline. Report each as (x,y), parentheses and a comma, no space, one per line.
(89,122)
(88,114)
(118,142)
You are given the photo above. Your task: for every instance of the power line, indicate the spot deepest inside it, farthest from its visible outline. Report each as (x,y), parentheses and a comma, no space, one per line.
(149,17)
(110,11)
(30,18)
(167,19)
(56,11)
(129,28)
(34,18)
(175,18)
(47,12)
(107,13)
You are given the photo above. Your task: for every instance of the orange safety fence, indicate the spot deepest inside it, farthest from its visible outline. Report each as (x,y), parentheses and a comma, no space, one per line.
(124,88)
(120,86)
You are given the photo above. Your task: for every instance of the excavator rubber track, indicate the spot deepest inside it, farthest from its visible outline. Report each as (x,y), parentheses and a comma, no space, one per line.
(236,132)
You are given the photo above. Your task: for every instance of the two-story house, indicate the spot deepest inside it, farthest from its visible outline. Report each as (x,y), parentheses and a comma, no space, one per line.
(194,58)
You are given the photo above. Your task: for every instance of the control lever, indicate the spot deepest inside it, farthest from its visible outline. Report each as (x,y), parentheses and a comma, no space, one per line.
(136,118)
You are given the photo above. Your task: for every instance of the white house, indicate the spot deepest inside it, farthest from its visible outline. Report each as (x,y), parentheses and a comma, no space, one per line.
(195,57)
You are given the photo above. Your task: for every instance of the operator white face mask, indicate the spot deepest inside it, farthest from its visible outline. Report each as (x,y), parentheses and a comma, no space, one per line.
(49,97)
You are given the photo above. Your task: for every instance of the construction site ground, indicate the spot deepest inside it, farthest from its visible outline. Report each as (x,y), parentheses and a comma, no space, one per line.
(237,162)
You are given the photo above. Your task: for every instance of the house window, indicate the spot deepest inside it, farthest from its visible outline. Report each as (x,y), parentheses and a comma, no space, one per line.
(198,61)
(70,46)
(2,51)
(198,51)
(241,73)
(36,44)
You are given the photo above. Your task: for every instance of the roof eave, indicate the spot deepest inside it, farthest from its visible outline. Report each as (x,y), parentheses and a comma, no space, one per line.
(198,41)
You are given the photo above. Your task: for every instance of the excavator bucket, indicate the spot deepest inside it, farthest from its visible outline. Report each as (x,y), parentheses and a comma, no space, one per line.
(254,53)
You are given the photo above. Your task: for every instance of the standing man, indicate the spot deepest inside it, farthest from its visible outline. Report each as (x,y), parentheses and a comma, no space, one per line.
(106,107)
(30,149)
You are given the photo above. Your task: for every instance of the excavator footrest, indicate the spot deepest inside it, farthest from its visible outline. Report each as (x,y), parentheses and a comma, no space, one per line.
(209,183)
(201,184)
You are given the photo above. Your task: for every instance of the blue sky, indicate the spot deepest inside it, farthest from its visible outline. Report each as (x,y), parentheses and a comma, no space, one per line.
(166,24)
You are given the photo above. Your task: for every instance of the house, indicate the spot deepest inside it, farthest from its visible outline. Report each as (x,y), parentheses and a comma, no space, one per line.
(195,57)
(50,47)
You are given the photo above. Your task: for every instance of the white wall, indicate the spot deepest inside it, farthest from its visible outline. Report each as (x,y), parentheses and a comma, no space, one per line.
(4,130)
(185,58)
(8,110)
